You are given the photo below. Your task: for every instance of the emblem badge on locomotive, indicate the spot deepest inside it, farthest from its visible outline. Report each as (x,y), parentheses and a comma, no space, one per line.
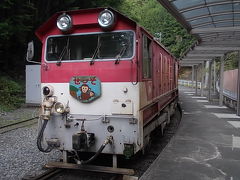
(85,88)
(106,85)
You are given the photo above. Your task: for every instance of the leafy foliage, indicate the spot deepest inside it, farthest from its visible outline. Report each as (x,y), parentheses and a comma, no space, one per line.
(20,18)
(11,94)
(15,27)
(152,16)
(231,61)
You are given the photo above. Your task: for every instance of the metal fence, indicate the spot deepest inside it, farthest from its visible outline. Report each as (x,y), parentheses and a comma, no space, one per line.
(188,83)
(226,92)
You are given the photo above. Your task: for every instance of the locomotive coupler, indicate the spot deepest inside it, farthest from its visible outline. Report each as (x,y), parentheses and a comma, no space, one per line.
(108,140)
(82,140)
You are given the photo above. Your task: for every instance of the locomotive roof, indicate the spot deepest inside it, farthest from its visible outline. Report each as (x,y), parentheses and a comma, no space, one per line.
(51,22)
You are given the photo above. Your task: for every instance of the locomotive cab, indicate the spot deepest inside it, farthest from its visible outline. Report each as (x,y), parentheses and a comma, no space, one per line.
(106,84)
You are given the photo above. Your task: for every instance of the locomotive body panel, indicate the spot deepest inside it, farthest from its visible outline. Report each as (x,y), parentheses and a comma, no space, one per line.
(107,71)
(98,116)
(112,94)
(124,132)
(162,80)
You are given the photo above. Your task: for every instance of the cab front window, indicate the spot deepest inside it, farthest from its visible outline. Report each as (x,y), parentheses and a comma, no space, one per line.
(99,46)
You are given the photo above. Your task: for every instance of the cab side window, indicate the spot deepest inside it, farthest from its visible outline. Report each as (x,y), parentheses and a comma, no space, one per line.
(146,58)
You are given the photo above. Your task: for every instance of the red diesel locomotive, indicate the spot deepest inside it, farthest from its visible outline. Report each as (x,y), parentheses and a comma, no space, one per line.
(106,84)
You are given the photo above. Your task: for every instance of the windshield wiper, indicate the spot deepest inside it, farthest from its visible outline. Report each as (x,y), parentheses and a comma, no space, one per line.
(121,52)
(96,51)
(65,49)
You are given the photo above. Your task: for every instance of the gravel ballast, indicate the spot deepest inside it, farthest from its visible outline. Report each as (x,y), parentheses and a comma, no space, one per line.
(19,155)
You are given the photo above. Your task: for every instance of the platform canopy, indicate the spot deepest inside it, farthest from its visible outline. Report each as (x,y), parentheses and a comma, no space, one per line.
(215,24)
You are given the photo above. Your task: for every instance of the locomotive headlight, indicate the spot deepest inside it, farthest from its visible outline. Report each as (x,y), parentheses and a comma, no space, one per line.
(59,107)
(106,19)
(47,90)
(64,22)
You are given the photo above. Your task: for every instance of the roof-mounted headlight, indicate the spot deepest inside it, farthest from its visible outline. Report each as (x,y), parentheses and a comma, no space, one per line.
(106,19)
(64,22)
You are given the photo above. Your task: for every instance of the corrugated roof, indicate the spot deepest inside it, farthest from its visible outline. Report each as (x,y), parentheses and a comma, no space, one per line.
(215,23)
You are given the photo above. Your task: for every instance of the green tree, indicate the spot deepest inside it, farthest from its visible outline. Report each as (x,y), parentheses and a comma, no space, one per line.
(231,61)
(20,18)
(153,17)
(18,21)
(15,26)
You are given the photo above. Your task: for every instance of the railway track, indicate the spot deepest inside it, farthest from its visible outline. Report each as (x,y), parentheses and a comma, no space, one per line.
(44,176)
(20,124)
(56,174)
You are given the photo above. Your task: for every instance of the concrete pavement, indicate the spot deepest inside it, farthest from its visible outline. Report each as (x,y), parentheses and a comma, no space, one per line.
(205,147)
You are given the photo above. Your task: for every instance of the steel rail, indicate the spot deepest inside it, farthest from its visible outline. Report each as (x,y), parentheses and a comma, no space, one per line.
(50,173)
(19,124)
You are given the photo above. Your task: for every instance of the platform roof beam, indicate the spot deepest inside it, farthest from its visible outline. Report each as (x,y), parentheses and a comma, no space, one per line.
(208,5)
(215,30)
(212,15)
(188,64)
(203,55)
(223,43)
(192,61)
(214,48)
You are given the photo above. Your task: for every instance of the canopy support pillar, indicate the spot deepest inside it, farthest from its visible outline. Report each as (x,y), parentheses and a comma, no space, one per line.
(202,78)
(238,86)
(207,74)
(193,76)
(196,82)
(221,81)
(214,76)
(210,81)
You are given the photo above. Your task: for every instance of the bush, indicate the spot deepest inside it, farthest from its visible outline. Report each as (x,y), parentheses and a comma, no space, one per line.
(12,94)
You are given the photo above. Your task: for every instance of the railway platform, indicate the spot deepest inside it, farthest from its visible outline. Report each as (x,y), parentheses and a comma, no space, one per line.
(205,147)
